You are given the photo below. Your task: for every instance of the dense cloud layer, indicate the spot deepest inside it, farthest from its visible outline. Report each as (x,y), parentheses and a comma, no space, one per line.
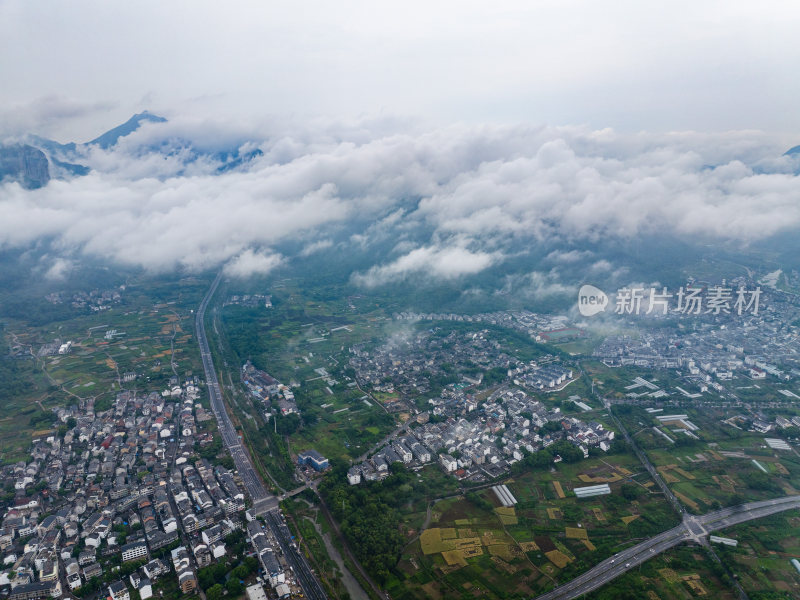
(482,193)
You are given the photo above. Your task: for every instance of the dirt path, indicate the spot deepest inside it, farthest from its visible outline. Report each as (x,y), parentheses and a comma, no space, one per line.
(172,343)
(428,515)
(350,583)
(116,368)
(357,564)
(425,524)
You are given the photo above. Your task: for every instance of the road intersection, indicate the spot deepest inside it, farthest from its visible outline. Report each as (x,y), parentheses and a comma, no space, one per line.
(692,529)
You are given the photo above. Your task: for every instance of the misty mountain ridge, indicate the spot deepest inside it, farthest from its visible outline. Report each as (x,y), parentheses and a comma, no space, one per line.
(112,136)
(38,160)
(491,212)
(189,151)
(65,161)
(184,153)
(25,164)
(792,151)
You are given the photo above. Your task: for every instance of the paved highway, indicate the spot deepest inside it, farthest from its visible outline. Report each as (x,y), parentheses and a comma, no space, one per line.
(296,560)
(263,501)
(692,529)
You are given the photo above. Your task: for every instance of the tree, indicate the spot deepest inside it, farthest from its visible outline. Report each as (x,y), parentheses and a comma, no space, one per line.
(310,417)
(568,452)
(618,446)
(252,563)
(630,491)
(233,586)
(288,424)
(398,468)
(213,574)
(572,512)
(552,427)
(240,572)
(215,592)
(479,501)
(539,460)
(369,517)
(757,480)
(88,588)
(494,376)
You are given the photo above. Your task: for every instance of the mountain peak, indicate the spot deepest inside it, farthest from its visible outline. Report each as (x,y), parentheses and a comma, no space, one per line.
(112,136)
(25,164)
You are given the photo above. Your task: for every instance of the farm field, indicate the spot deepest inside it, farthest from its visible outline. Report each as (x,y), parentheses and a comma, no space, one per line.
(614,382)
(681,573)
(22,421)
(139,336)
(296,342)
(724,466)
(761,561)
(475,546)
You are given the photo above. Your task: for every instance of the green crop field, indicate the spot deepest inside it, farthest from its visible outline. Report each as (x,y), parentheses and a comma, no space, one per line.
(542,541)
(761,561)
(681,573)
(718,469)
(153,318)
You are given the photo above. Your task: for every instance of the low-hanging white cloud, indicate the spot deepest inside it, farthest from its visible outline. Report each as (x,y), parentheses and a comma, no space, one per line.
(472,193)
(432,262)
(568,256)
(252,262)
(535,285)
(314,247)
(58,269)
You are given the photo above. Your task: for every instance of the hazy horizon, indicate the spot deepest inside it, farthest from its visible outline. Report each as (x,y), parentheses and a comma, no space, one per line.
(76,69)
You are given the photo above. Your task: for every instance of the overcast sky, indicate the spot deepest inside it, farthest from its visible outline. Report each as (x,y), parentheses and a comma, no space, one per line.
(73,69)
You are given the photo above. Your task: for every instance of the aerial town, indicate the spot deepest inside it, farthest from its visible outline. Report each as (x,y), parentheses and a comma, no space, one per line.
(266,388)
(116,501)
(94,300)
(483,444)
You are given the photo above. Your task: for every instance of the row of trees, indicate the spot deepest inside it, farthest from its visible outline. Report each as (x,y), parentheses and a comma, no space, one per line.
(569,453)
(369,515)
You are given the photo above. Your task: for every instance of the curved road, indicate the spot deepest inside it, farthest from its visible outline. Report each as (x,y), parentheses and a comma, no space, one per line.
(692,529)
